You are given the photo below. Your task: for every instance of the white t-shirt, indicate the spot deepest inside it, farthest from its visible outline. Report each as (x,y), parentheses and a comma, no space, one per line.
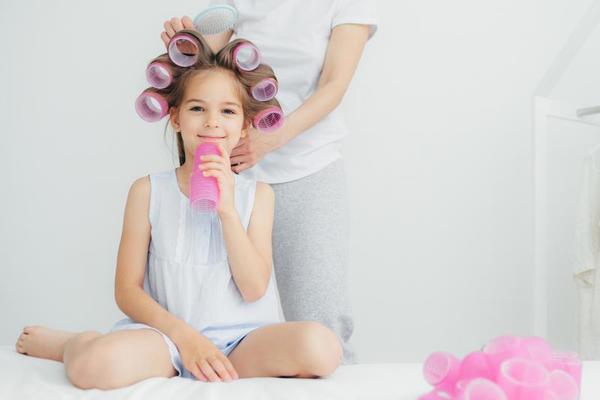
(292,36)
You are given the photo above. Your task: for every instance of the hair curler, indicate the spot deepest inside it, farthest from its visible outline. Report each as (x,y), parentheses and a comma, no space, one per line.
(476,365)
(204,190)
(151,106)
(184,47)
(246,56)
(441,370)
(482,389)
(264,90)
(569,362)
(159,75)
(500,349)
(523,379)
(563,385)
(216,19)
(269,120)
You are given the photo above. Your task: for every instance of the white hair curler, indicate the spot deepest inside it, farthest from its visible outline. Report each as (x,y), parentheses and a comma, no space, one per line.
(246,56)
(159,75)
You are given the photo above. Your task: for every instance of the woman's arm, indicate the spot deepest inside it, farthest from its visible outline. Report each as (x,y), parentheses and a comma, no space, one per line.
(345,48)
(250,253)
(131,266)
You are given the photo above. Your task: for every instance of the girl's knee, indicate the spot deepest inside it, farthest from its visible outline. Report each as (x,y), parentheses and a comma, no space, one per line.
(320,349)
(95,366)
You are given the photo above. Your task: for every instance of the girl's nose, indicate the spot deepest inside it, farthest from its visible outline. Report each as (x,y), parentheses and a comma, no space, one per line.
(212,122)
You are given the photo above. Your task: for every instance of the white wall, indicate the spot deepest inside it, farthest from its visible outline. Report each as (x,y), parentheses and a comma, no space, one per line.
(440,164)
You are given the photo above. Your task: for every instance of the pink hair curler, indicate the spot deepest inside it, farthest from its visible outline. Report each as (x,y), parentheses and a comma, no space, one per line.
(264,90)
(246,56)
(523,379)
(482,389)
(563,386)
(435,395)
(159,75)
(269,120)
(569,362)
(476,365)
(500,349)
(151,106)
(441,370)
(204,190)
(184,48)
(538,349)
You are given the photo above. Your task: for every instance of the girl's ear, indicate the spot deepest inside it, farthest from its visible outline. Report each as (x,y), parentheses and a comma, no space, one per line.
(174,118)
(245,128)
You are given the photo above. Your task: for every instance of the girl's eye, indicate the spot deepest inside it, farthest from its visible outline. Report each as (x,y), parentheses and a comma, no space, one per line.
(197,108)
(228,111)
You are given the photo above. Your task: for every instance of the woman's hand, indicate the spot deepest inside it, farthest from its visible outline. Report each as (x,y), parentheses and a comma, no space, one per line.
(252,148)
(219,167)
(173,26)
(203,359)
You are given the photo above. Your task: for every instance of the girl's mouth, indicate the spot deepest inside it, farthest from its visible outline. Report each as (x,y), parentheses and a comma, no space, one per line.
(211,138)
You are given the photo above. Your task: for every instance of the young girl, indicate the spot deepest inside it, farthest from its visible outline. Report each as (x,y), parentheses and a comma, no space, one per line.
(197,288)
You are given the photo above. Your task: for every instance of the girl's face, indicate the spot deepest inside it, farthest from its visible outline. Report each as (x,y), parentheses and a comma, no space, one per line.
(211,111)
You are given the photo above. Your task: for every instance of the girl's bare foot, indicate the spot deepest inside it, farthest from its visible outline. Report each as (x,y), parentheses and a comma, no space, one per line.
(42,342)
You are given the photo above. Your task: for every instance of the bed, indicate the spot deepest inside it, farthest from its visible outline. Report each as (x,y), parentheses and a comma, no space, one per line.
(24,377)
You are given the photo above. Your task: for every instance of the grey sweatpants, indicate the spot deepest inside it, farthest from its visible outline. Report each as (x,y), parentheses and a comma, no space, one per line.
(310,250)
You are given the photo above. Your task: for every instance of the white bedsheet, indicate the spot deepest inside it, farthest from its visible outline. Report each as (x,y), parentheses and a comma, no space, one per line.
(23,377)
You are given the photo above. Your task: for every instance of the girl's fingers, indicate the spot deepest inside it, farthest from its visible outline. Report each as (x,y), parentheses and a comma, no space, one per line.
(230,368)
(208,371)
(165,38)
(169,29)
(220,369)
(187,22)
(211,165)
(213,157)
(241,167)
(197,373)
(177,25)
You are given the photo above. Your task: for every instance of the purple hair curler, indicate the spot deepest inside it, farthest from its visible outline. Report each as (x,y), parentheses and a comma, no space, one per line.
(246,56)
(151,106)
(204,190)
(269,120)
(184,48)
(159,75)
(264,90)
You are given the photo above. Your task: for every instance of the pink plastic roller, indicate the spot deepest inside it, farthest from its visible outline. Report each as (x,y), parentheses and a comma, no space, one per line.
(204,190)
(246,56)
(264,90)
(269,120)
(159,75)
(183,49)
(523,379)
(151,106)
(482,389)
(442,370)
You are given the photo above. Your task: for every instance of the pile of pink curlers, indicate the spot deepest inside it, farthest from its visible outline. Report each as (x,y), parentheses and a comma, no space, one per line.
(507,368)
(184,49)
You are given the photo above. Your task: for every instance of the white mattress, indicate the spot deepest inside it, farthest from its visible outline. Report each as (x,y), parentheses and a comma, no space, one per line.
(23,377)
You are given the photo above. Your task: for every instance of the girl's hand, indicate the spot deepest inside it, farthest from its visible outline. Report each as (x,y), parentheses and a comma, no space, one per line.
(175,25)
(252,148)
(219,167)
(203,359)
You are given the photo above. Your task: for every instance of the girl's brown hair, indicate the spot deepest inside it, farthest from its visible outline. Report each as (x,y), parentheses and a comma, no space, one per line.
(207,60)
